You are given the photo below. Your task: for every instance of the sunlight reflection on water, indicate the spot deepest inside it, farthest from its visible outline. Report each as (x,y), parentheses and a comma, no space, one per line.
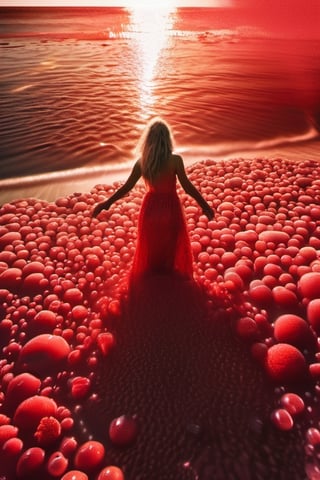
(150,29)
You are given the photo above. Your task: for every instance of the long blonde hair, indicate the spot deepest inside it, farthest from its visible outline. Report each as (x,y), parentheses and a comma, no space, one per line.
(156,149)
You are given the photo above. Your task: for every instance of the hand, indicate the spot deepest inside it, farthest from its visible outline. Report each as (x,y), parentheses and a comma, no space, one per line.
(97,209)
(207,210)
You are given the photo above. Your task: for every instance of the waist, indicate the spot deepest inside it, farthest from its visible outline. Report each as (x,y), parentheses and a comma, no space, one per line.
(162,191)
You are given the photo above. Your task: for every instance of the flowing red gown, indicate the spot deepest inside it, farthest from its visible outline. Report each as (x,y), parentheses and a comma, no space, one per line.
(163,244)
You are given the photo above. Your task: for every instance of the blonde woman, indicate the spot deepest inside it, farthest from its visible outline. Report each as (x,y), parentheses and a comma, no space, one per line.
(163,245)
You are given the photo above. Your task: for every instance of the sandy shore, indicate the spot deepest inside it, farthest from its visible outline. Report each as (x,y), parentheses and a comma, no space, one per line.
(50,186)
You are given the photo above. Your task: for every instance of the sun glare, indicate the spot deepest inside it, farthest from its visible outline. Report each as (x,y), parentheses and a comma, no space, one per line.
(150,28)
(148,5)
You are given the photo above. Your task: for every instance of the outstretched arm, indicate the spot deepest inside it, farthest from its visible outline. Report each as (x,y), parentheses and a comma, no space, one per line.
(121,192)
(190,189)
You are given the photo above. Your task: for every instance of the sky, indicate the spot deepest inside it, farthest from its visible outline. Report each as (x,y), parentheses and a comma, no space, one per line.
(118,3)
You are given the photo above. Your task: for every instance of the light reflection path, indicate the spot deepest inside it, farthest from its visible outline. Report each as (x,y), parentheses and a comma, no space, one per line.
(150,28)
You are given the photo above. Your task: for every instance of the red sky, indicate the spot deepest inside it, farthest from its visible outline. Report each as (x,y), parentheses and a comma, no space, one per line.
(107,3)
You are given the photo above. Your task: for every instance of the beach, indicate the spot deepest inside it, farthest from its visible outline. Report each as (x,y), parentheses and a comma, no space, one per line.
(99,354)
(167,379)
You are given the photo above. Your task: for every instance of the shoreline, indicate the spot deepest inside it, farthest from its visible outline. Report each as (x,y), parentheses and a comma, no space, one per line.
(50,186)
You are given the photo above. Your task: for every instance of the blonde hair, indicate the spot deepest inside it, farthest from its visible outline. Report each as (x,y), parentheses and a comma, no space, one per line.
(155,148)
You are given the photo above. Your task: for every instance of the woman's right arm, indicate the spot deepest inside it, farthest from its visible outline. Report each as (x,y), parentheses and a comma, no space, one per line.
(190,189)
(121,192)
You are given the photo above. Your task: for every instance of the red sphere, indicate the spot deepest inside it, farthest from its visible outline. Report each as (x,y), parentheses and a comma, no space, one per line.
(7,432)
(293,403)
(310,285)
(89,456)
(247,329)
(123,430)
(313,314)
(44,322)
(295,330)
(261,295)
(44,352)
(284,297)
(32,410)
(21,387)
(282,419)
(285,364)
(74,475)
(111,473)
(30,462)
(80,387)
(57,464)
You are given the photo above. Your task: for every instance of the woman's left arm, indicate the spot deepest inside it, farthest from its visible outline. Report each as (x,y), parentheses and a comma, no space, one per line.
(121,192)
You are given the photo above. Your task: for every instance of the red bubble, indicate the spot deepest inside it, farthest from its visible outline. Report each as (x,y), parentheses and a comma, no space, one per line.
(80,387)
(105,342)
(89,456)
(282,419)
(308,253)
(314,369)
(111,473)
(32,410)
(79,313)
(244,271)
(34,283)
(11,279)
(44,322)
(74,475)
(313,436)
(259,352)
(74,296)
(30,462)
(9,238)
(313,314)
(12,447)
(310,285)
(67,424)
(44,353)
(21,387)
(274,236)
(6,432)
(293,403)
(68,446)
(228,259)
(272,269)
(261,295)
(285,364)
(293,329)
(48,431)
(248,236)
(57,464)
(303,181)
(4,420)
(123,430)
(247,329)
(32,267)
(284,297)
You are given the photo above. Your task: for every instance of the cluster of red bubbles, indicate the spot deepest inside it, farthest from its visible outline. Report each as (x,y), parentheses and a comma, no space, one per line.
(62,274)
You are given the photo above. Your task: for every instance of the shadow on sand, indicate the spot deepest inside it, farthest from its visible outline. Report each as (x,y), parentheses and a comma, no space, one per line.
(203,405)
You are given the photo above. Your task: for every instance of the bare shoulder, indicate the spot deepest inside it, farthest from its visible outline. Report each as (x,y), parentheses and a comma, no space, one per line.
(177,161)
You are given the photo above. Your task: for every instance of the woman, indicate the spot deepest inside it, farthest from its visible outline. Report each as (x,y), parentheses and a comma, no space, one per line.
(163,245)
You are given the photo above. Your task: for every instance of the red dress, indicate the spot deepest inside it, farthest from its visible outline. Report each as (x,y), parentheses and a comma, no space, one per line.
(163,244)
